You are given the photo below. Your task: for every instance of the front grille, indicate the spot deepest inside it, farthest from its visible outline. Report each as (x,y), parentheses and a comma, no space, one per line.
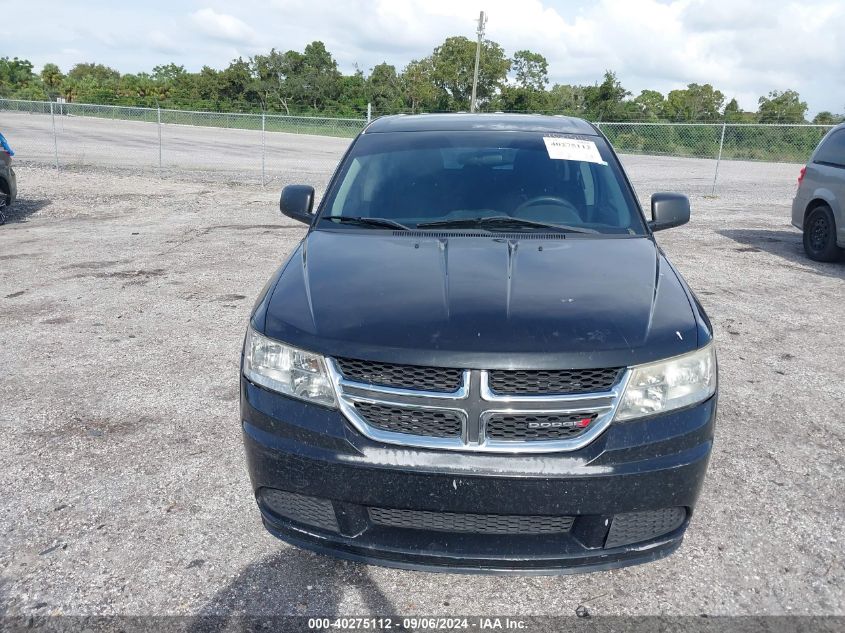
(635,527)
(300,508)
(552,381)
(518,427)
(413,421)
(471,523)
(401,376)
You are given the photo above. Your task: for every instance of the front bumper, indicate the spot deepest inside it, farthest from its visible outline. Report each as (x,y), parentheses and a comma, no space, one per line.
(799,206)
(322,485)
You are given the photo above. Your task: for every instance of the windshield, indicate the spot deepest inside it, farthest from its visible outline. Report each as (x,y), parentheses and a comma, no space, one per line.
(510,181)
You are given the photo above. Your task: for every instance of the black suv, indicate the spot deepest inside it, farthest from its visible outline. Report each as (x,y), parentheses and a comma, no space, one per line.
(478,358)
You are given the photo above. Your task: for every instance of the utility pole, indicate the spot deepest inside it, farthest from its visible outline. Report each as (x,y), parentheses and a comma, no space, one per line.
(482,21)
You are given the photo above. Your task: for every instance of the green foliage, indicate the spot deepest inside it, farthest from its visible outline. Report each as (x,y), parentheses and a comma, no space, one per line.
(309,82)
(522,99)
(651,105)
(531,70)
(418,87)
(353,94)
(319,75)
(52,79)
(279,78)
(781,107)
(607,101)
(695,103)
(568,99)
(828,118)
(17,78)
(453,64)
(384,90)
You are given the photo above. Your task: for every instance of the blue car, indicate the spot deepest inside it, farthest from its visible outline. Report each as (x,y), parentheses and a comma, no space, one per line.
(478,358)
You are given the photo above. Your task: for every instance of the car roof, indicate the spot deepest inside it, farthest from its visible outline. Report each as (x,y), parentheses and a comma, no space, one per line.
(466,122)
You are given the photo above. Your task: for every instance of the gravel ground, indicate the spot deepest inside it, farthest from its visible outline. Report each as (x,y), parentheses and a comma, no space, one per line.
(123,303)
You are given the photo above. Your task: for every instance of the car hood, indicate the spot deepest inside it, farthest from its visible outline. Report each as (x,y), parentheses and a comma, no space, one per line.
(476,302)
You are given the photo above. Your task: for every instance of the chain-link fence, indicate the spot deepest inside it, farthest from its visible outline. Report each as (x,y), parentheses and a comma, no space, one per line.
(253,147)
(283,149)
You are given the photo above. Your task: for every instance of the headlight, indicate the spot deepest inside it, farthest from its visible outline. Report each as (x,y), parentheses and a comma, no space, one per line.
(669,384)
(288,370)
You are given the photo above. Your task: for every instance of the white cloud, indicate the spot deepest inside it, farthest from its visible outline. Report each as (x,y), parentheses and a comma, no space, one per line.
(222,26)
(745,48)
(163,43)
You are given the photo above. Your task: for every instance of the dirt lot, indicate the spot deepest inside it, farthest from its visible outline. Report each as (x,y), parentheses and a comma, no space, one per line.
(123,302)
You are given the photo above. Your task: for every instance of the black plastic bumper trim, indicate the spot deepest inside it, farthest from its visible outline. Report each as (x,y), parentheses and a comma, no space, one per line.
(602,560)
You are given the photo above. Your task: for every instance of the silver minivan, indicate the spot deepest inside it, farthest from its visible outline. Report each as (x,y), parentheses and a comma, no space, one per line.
(819,205)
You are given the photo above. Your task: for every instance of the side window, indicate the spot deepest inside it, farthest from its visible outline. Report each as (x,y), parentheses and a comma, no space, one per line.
(832,152)
(349,181)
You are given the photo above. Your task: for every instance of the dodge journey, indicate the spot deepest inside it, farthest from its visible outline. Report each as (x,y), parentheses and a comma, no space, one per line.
(478,358)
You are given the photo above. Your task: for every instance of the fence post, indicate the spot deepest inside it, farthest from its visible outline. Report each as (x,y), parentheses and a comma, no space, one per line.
(718,159)
(263,146)
(158,110)
(369,113)
(55,140)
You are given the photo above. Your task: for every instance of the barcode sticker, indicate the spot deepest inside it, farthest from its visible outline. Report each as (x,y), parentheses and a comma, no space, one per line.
(572,149)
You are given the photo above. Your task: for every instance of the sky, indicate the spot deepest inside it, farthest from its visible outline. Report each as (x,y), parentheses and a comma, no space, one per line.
(745,48)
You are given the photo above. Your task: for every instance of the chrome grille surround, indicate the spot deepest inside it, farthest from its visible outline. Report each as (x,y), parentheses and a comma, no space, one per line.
(475,402)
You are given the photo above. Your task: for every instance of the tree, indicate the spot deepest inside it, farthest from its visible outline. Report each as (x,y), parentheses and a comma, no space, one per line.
(168,73)
(418,86)
(781,107)
(695,103)
(140,88)
(383,89)
(280,78)
(531,70)
(604,101)
(353,93)
(91,83)
(732,112)
(18,80)
(97,72)
(207,87)
(236,84)
(15,72)
(321,79)
(519,99)
(651,104)
(453,63)
(52,79)
(827,118)
(567,99)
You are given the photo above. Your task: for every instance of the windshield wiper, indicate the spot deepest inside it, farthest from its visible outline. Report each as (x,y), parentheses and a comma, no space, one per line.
(504,222)
(380,222)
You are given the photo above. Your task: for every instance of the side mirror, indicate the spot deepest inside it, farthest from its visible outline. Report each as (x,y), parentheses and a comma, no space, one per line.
(297,202)
(668,210)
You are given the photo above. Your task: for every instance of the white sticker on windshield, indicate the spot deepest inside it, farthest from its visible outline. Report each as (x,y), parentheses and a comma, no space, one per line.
(572,149)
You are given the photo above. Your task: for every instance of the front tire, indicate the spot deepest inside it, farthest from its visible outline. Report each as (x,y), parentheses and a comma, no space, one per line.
(820,235)
(5,199)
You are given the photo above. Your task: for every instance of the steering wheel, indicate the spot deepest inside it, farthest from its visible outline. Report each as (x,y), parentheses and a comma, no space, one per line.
(570,213)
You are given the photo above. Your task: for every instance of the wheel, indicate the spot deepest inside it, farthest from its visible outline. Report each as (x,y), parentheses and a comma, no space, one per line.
(4,202)
(820,235)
